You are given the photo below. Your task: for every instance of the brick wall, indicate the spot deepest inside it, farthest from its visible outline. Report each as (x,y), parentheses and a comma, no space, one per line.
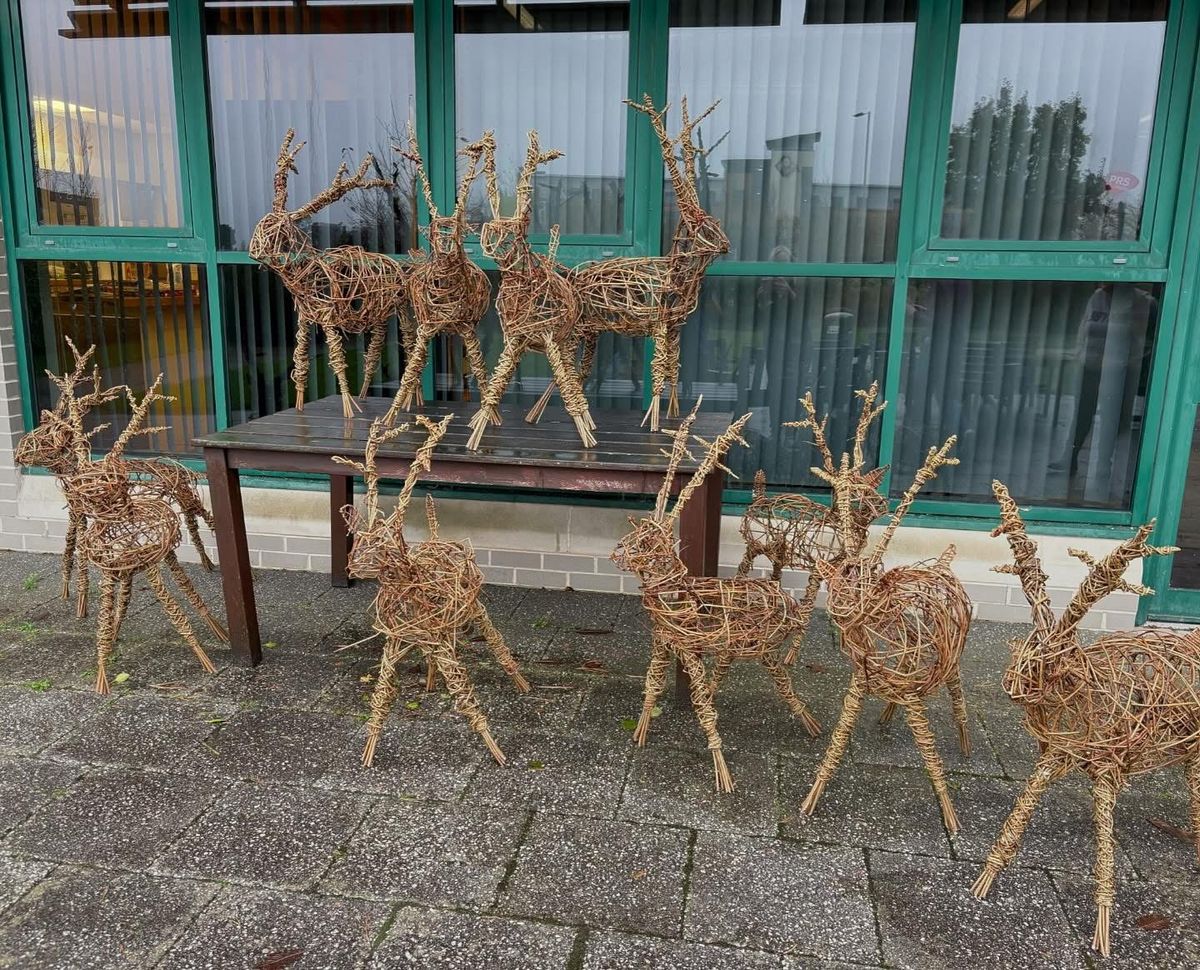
(523,544)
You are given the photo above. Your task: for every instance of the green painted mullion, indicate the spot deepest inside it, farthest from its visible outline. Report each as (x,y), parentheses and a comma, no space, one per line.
(767,268)
(1039,271)
(12,63)
(1100,247)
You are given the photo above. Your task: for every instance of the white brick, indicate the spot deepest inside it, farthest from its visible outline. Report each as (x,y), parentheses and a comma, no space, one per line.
(541,579)
(595,582)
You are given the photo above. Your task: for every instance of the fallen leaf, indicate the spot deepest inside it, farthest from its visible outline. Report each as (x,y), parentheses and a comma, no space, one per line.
(594,666)
(366,678)
(121,678)
(815,668)
(536,766)
(1171,829)
(593,631)
(637,874)
(655,711)
(413,705)
(629,724)
(1153,921)
(279,960)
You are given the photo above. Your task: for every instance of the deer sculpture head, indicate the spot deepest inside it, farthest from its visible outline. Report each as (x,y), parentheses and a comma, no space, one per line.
(506,238)
(446,234)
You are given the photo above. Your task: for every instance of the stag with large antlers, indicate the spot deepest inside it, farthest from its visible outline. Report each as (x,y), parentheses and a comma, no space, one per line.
(130,529)
(793,531)
(52,445)
(428,597)
(652,296)
(343,290)
(537,307)
(1126,703)
(447,292)
(692,617)
(903,630)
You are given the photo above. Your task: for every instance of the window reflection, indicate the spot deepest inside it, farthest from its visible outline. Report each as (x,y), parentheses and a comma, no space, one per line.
(807,145)
(1185,568)
(1043,382)
(562,68)
(1052,119)
(343,75)
(101,113)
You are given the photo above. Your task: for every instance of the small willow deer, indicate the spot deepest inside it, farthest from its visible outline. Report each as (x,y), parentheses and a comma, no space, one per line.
(428,596)
(130,529)
(903,630)
(692,617)
(537,307)
(343,290)
(652,296)
(793,531)
(52,445)
(447,292)
(1121,705)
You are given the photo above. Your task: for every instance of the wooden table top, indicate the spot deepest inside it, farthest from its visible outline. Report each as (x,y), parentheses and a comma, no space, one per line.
(320,429)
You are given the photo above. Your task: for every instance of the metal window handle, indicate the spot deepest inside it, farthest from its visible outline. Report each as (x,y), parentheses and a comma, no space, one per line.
(952,259)
(1120,260)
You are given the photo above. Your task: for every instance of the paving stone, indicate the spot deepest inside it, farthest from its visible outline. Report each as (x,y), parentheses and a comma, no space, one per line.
(767,894)
(674,787)
(35,718)
(1003,724)
(27,580)
(86,918)
(18,875)
(885,808)
(1176,945)
(430,938)
(115,817)
(58,659)
(619,951)
(1156,854)
(413,759)
(266,835)
(247,927)
(269,744)
(141,729)
(428,853)
(1060,836)
(576,776)
(26,783)
(928,917)
(603,874)
(988,650)
(283,679)
(293,611)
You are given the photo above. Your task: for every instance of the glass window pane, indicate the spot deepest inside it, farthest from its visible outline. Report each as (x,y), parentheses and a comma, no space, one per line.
(145,319)
(1043,382)
(1053,113)
(808,141)
(102,113)
(341,74)
(1185,569)
(259,323)
(758,343)
(562,68)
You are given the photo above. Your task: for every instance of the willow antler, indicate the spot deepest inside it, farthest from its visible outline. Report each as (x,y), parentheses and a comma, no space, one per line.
(715,450)
(935,459)
(818,430)
(1026,564)
(678,451)
(141,413)
(340,186)
(865,419)
(422,460)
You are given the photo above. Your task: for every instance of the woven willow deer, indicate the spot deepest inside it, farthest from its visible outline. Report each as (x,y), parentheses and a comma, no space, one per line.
(903,630)
(52,445)
(428,596)
(130,529)
(793,531)
(538,309)
(652,296)
(343,290)
(448,293)
(1124,704)
(696,616)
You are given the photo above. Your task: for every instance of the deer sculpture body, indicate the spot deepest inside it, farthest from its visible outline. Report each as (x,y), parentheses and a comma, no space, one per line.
(652,296)
(537,307)
(130,529)
(903,630)
(447,292)
(343,290)
(1128,702)
(793,531)
(52,445)
(693,617)
(428,597)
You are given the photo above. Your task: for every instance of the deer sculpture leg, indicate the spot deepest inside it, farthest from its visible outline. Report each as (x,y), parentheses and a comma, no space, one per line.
(106,636)
(958,707)
(499,648)
(193,527)
(747,562)
(337,363)
(658,371)
(1050,767)
(783,683)
(918,722)
(177,617)
(463,694)
(585,369)
(572,393)
(430,674)
(300,361)
(1104,800)
(383,697)
(808,604)
(411,396)
(1193,777)
(124,594)
(474,354)
(720,669)
(674,339)
(838,743)
(74,526)
(193,596)
(656,682)
(373,356)
(489,404)
(706,713)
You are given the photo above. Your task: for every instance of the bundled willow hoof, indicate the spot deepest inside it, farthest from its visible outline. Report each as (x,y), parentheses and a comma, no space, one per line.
(1126,703)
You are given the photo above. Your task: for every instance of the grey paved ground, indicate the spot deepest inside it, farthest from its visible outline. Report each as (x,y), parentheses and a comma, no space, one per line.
(224,821)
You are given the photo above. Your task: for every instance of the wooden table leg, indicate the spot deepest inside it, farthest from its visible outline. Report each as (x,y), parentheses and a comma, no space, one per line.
(236,579)
(341,494)
(700,546)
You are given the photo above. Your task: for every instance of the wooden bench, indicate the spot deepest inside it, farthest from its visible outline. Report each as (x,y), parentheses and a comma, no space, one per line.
(627,460)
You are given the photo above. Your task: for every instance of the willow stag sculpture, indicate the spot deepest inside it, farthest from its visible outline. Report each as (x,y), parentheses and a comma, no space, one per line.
(699,616)
(652,296)
(343,290)
(1124,704)
(538,309)
(428,597)
(448,293)
(903,630)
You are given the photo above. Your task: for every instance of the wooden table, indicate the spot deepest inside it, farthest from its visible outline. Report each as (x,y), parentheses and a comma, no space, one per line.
(627,459)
